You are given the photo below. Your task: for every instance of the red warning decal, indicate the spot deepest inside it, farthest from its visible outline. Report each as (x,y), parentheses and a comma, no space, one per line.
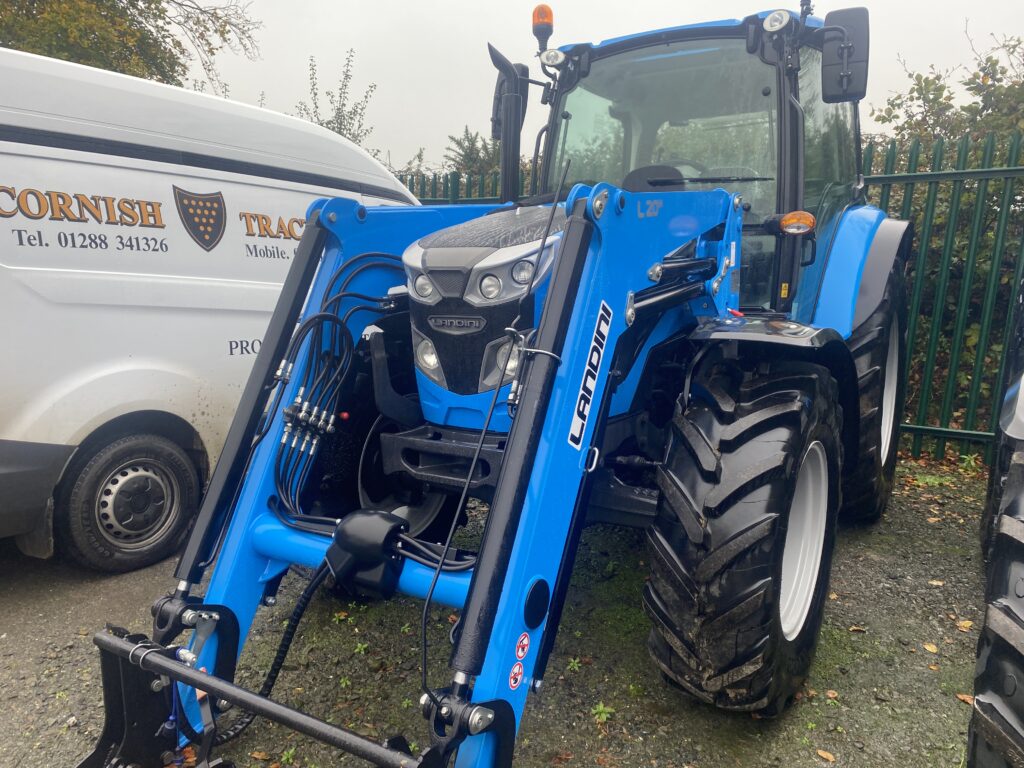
(515,677)
(523,646)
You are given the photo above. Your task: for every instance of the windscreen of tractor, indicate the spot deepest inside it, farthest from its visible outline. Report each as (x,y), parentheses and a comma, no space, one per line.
(706,108)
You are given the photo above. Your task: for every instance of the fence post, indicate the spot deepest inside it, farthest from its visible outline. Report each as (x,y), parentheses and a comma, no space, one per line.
(453,187)
(887,169)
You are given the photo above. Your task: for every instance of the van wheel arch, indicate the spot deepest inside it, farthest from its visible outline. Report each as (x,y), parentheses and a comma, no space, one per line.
(155,424)
(162,423)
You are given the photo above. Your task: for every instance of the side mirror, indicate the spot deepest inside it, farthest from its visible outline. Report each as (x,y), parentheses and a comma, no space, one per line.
(513,80)
(844,56)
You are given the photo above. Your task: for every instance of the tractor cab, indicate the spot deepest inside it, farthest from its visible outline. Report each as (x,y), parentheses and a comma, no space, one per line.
(763,107)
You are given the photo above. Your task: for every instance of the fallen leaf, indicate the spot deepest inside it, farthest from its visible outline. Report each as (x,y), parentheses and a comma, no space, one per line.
(828,757)
(931,647)
(933,667)
(965,625)
(452,618)
(936,582)
(259,755)
(833,596)
(561,757)
(934,519)
(832,694)
(966,698)
(856,628)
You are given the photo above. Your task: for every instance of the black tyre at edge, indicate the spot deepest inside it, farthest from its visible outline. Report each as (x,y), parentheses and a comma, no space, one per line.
(1006,483)
(94,470)
(996,734)
(718,538)
(868,482)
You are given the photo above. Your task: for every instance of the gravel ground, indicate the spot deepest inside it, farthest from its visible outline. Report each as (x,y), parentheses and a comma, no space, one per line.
(896,649)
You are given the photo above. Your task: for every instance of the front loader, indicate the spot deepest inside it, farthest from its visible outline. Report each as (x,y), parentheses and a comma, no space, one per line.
(694,324)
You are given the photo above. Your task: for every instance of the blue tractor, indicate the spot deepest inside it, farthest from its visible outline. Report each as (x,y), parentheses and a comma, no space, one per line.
(694,324)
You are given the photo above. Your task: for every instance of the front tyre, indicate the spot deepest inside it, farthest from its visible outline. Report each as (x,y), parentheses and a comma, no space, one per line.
(742,542)
(126,504)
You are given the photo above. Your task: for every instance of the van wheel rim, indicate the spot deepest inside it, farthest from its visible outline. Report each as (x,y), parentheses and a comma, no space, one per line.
(805,540)
(891,376)
(137,504)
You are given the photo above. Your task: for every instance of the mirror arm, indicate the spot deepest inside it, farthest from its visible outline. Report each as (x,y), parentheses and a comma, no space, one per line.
(844,50)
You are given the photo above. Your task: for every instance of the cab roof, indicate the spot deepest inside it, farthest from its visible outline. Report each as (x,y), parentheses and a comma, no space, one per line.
(656,34)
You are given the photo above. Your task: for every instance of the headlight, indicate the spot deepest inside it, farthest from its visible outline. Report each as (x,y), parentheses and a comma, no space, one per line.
(490,286)
(501,355)
(508,358)
(522,271)
(424,288)
(426,356)
(508,273)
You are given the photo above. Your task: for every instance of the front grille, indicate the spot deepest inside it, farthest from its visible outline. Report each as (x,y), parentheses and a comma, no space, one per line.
(450,282)
(461,354)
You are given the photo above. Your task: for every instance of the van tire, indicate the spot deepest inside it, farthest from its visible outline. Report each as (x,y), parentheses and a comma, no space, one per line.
(126,504)
(726,628)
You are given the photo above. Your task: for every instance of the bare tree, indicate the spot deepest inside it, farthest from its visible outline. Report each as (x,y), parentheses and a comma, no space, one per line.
(345,114)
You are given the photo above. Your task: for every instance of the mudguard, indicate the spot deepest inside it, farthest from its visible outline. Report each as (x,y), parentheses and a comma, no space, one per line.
(823,346)
(892,240)
(858,261)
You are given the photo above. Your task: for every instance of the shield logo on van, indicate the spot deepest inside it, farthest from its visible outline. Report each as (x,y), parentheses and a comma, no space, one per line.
(202,215)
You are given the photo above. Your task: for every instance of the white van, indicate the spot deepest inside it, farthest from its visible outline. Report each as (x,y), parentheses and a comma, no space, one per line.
(145,231)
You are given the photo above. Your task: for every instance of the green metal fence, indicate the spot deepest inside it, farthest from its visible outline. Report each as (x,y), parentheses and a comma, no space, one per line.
(967,205)
(454,187)
(966,199)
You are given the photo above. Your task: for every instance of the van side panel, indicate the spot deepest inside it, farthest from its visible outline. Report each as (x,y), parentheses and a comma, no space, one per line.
(128,285)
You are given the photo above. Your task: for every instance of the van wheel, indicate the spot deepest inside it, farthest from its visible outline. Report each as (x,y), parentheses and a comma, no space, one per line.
(127,504)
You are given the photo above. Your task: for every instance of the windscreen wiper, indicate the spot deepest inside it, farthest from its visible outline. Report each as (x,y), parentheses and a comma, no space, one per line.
(669,181)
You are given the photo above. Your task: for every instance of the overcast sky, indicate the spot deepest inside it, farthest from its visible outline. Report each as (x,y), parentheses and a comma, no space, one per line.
(429,57)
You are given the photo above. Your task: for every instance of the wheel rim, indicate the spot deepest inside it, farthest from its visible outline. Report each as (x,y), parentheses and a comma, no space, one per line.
(376,491)
(891,376)
(137,503)
(805,540)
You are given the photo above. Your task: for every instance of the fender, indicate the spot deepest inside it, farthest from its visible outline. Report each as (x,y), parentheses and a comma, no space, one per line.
(860,257)
(892,240)
(796,341)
